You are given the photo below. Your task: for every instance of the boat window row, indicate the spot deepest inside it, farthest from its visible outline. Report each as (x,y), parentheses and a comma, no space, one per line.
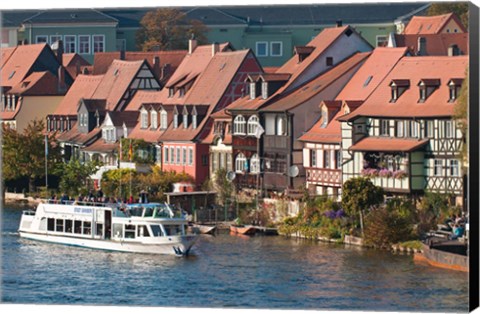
(129,231)
(78,227)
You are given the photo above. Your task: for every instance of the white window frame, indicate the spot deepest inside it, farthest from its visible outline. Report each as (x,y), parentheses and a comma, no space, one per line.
(327,163)
(271,49)
(378,37)
(178,159)
(184,155)
(163,120)
(166,155)
(257,44)
(45,37)
(239,125)
(255,164)
(154,119)
(253,92)
(57,37)
(384,127)
(88,50)
(95,44)
(194,121)
(437,167)
(281,126)
(313,158)
(185,120)
(240,163)
(190,156)
(66,44)
(400,128)
(414,129)
(144,119)
(449,129)
(430,124)
(172,155)
(454,167)
(264,90)
(252,125)
(175,120)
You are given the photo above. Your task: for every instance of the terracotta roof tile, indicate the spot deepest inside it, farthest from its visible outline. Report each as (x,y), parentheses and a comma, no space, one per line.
(73,136)
(407,105)
(37,84)
(436,44)
(84,86)
(130,118)
(385,144)
(430,24)
(100,146)
(70,60)
(5,54)
(20,63)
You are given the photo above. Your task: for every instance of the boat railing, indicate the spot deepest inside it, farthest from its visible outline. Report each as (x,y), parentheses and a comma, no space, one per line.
(29,212)
(80,203)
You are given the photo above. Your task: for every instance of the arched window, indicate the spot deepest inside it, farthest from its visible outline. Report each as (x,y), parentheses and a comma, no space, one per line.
(240,163)
(281,126)
(252,125)
(163,120)
(255,164)
(239,125)
(154,119)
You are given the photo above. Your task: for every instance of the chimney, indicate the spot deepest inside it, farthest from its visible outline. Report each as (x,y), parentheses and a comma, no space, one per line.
(25,42)
(192,44)
(339,23)
(77,67)
(215,48)
(422,46)
(156,67)
(166,69)
(59,52)
(122,54)
(61,79)
(453,51)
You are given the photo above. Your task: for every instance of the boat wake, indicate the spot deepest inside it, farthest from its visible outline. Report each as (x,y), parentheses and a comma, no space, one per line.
(10,233)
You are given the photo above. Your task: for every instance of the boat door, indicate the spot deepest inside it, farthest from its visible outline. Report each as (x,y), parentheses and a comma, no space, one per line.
(108,224)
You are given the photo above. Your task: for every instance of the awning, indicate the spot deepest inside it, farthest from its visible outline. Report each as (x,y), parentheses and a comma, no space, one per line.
(381,144)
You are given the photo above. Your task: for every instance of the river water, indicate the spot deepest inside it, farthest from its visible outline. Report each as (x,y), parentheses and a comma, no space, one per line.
(227,271)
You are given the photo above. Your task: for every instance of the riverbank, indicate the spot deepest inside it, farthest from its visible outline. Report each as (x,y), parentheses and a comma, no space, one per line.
(21,199)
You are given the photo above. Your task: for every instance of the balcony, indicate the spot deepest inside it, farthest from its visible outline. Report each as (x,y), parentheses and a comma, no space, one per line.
(328,177)
(276,141)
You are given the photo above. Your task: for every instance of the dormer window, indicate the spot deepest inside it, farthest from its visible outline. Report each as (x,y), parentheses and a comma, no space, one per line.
(175,118)
(252,125)
(426,87)
(171,92)
(181,92)
(329,61)
(144,119)
(454,86)
(194,118)
(154,118)
(163,120)
(253,91)
(324,117)
(185,117)
(265,90)
(239,125)
(398,87)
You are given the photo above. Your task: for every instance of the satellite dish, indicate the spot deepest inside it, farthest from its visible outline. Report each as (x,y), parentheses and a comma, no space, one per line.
(268,164)
(231,176)
(293,171)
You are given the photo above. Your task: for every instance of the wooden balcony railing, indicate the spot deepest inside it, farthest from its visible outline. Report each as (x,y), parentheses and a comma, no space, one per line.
(330,177)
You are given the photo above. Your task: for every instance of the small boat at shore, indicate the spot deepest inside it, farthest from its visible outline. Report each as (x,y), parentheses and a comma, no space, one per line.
(136,228)
(242,229)
(202,229)
(448,254)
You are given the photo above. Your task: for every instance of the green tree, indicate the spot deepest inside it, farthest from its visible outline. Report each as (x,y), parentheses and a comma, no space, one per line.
(24,153)
(358,195)
(223,187)
(461,115)
(75,176)
(459,8)
(168,29)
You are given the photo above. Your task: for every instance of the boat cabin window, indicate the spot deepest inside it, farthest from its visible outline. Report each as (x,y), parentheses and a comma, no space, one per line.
(119,213)
(51,224)
(118,230)
(59,226)
(129,231)
(148,212)
(99,229)
(173,230)
(135,211)
(142,231)
(68,225)
(156,230)
(78,227)
(87,227)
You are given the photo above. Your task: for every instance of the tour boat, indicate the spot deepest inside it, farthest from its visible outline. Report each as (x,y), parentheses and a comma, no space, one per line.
(136,228)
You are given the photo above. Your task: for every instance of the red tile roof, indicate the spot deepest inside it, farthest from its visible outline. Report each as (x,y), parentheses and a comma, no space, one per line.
(73,136)
(317,85)
(407,105)
(84,86)
(431,24)
(116,81)
(385,144)
(20,63)
(37,84)
(5,54)
(100,146)
(70,61)
(436,44)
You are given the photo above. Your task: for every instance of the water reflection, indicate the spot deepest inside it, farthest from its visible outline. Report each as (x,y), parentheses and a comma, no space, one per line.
(227,271)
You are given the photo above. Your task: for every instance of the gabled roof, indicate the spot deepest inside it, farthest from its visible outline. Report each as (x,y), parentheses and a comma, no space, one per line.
(407,105)
(84,86)
(142,97)
(100,146)
(317,85)
(70,62)
(431,24)
(103,60)
(93,105)
(129,118)
(70,16)
(5,54)
(20,63)
(116,81)
(37,84)
(436,44)
(380,62)
(75,137)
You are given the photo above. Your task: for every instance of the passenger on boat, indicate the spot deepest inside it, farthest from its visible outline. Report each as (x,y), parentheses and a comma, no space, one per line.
(64,199)
(458,231)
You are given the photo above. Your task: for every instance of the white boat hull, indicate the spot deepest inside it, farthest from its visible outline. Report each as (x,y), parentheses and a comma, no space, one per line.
(175,245)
